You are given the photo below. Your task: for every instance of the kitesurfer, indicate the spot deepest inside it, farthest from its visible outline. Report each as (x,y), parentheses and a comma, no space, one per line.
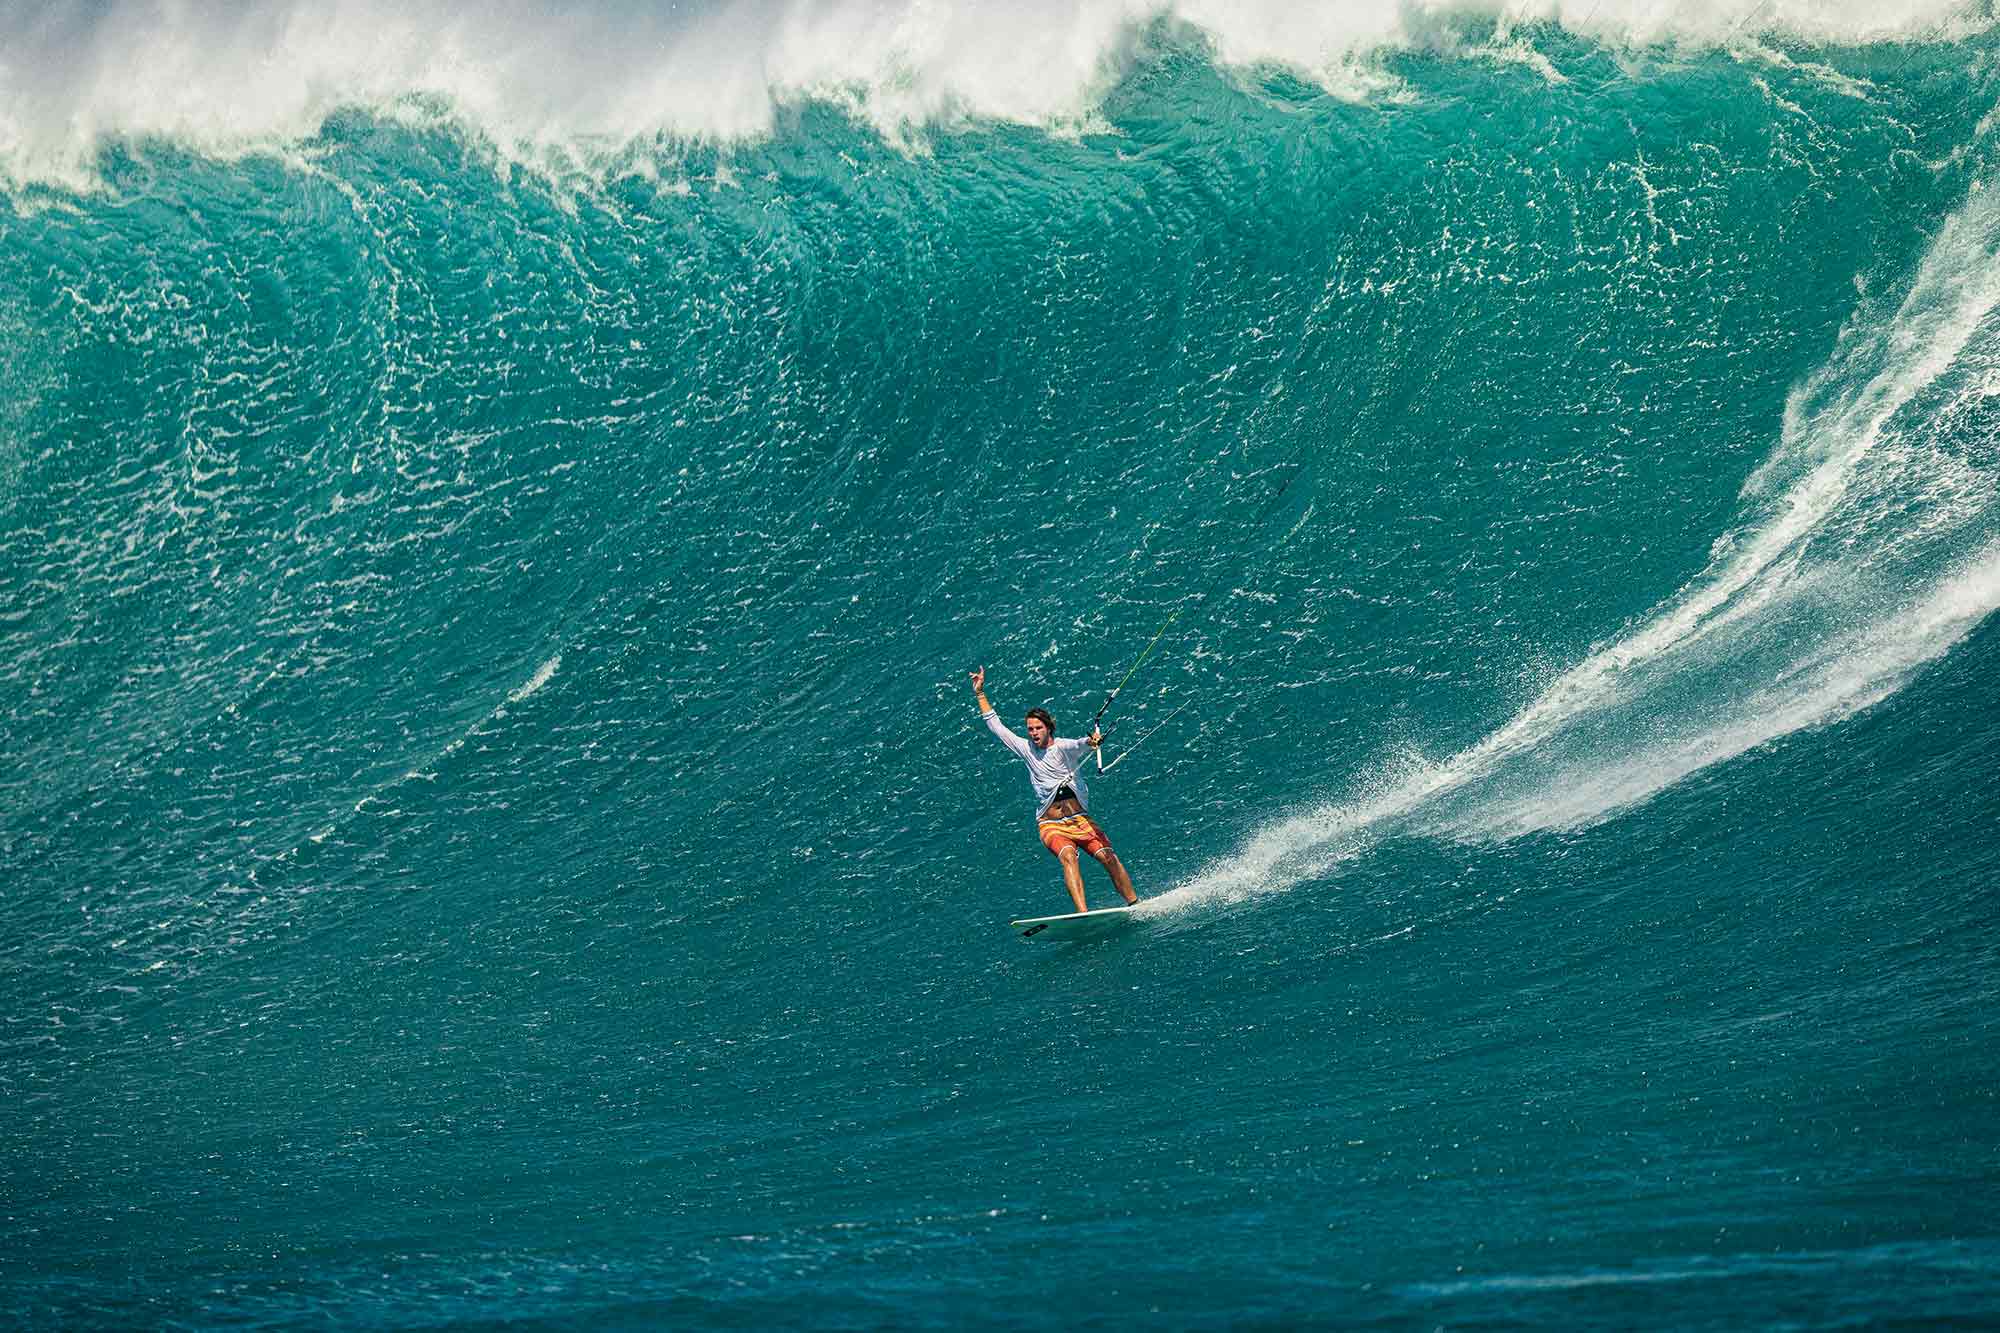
(1065,825)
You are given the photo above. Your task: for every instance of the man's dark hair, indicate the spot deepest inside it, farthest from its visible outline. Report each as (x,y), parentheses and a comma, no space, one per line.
(1047,721)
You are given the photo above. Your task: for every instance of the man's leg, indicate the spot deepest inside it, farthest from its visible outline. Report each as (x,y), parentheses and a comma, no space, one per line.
(1119,879)
(1072,874)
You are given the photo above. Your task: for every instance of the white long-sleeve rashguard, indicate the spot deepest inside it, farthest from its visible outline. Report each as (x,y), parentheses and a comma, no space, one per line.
(1048,769)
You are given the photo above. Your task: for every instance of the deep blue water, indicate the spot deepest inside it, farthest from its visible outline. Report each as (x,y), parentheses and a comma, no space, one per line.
(494,828)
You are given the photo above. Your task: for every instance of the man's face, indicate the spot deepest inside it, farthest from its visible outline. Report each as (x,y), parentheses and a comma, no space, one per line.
(1039,733)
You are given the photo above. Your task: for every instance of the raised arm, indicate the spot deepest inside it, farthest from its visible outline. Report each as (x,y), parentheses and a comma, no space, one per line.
(1017,744)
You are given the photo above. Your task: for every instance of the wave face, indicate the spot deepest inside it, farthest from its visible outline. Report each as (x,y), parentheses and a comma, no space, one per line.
(494,522)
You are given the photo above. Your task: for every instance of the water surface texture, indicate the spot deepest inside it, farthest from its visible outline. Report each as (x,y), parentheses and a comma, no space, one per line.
(496,514)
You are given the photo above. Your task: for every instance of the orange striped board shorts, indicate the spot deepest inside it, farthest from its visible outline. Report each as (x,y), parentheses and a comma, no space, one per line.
(1074,831)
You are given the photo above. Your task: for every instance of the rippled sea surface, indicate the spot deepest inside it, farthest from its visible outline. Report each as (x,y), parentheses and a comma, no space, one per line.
(494,827)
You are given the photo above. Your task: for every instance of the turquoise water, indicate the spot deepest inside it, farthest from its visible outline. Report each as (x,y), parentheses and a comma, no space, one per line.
(495,829)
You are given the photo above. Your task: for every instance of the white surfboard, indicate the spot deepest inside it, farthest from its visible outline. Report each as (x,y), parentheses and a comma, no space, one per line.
(1073,925)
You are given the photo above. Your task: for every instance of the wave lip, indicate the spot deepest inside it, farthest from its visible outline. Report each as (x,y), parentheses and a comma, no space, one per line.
(234,79)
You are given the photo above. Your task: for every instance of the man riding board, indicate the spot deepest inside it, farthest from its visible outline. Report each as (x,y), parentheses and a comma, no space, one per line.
(1060,816)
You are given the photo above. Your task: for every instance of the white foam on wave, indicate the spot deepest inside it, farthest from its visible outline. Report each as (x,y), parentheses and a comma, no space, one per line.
(1867,554)
(232,78)
(427,771)
(542,675)
(1845,676)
